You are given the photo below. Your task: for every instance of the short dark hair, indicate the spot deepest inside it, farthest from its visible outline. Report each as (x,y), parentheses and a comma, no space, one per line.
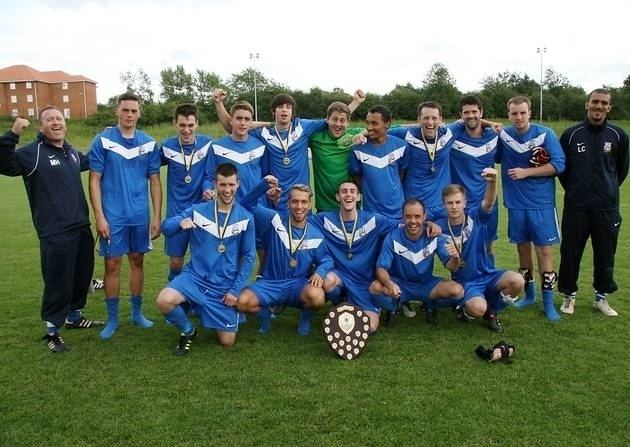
(241,105)
(283,98)
(383,110)
(226,170)
(413,201)
(348,180)
(429,105)
(41,112)
(128,96)
(470,100)
(186,110)
(603,91)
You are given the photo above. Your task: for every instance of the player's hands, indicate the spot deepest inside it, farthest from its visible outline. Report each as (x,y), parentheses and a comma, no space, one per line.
(316,281)
(20,125)
(518,173)
(359,95)
(490,174)
(271,180)
(273,194)
(360,138)
(433,229)
(102,227)
(392,289)
(229,299)
(187,224)
(156,228)
(219,95)
(208,194)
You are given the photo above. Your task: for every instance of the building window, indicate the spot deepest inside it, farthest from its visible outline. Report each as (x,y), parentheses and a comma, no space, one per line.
(14,112)
(14,99)
(12,86)
(65,98)
(66,113)
(29,98)
(31,112)
(64,86)
(29,85)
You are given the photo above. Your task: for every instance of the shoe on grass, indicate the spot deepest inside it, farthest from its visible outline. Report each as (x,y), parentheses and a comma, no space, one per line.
(55,343)
(603,306)
(84,323)
(407,310)
(185,343)
(494,324)
(568,304)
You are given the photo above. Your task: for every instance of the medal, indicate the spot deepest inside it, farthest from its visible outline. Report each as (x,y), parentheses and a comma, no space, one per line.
(286,161)
(293,251)
(459,246)
(462,264)
(431,150)
(349,255)
(433,168)
(285,144)
(293,263)
(187,163)
(349,238)
(222,229)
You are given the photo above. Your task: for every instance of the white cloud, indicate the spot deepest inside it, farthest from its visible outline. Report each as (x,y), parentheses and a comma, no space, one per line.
(329,43)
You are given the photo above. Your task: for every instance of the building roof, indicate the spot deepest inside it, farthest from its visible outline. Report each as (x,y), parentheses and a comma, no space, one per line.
(21,73)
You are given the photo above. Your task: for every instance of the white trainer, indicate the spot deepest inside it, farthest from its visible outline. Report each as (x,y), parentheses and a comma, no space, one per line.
(568,305)
(604,307)
(407,310)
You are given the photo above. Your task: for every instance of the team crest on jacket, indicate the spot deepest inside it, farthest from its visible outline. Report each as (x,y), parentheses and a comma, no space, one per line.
(346,330)
(607,146)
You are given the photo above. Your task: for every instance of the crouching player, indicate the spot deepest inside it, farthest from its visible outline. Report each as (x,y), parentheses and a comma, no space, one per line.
(487,290)
(222,246)
(295,265)
(404,269)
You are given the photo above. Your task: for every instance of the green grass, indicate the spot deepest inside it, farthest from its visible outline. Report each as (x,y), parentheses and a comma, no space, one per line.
(413,385)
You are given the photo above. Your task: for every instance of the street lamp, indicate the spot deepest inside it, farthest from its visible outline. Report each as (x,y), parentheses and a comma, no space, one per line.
(541,51)
(254,57)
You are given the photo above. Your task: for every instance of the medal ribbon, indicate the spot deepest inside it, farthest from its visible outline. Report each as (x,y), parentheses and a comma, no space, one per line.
(431,150)
(284,144)
(187,164)
(291,250)
(349,240)
(225,222)
(459,247)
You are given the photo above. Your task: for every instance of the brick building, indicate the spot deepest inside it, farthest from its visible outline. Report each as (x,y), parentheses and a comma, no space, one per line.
(24,91)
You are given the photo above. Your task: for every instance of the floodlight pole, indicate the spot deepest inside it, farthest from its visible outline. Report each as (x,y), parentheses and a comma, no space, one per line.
(541,51)
(254,57)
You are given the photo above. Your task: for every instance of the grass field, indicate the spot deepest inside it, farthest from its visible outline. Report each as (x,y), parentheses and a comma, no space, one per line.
(413,385)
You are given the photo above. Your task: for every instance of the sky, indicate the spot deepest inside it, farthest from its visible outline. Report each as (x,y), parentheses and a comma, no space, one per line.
(367,44)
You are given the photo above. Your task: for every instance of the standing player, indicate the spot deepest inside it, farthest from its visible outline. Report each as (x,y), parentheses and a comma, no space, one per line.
(487,290)
(295,265)
(185,155)
(122,158)
(222,257)
(354,238)
(472,151)
(330,150)
(51,169)
(531,157)
(286,141)
(378,165)
(597,164)
(404,269)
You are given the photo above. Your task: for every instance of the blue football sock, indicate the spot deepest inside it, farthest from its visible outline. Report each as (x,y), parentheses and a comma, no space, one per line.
(265,320)
(304,325)
(112,318)
(600,296)
(178,318)
(530,295)
(51,328)
(74,315)
(136,313)
(548,306)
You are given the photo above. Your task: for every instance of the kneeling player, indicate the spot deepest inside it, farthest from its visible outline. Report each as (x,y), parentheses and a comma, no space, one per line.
(404,269)
(487,290)
(222,257)
(292,248)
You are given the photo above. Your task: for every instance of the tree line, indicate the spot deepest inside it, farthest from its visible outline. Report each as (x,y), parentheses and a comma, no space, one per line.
(561,99)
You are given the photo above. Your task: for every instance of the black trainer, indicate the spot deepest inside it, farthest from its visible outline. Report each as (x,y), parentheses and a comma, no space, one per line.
(494,324)
(83,323)
(430,316)
(462,316)
(185,343)
(55,343)
(390,318)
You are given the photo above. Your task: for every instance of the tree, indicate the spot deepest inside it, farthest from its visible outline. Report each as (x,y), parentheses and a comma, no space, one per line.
(403,101)
(438,85)
(139,83)
(177,85)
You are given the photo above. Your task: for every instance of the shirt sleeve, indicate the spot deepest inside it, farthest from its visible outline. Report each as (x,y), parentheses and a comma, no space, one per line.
(386,257)
(556,154)
(247,255)
(155,162)
(209,169)
(355,165)
(171,226)
(323,259)
(97,155)
(9,160)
